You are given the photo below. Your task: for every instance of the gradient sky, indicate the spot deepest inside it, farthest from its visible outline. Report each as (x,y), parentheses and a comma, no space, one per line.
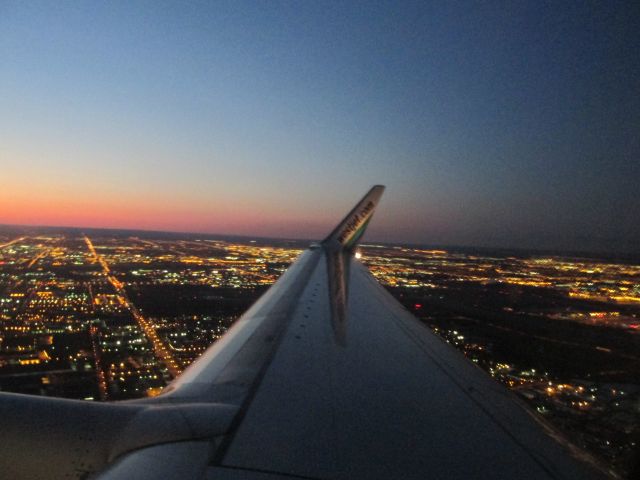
(513,124)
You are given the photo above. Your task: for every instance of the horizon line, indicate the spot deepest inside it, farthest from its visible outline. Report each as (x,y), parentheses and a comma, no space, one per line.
(635,256)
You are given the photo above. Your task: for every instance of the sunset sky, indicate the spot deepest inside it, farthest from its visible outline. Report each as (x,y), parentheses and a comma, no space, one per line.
(513,124)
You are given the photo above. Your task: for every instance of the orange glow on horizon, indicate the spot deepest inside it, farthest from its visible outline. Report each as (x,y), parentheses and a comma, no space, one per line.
(139,212)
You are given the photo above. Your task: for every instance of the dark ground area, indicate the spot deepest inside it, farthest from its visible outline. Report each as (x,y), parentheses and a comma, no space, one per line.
(499,318)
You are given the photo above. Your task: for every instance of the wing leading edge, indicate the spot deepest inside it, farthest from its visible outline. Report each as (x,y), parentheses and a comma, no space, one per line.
(325,376)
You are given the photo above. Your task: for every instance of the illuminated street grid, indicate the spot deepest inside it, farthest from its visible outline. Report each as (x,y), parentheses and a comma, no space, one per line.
(69,326)
(104,316)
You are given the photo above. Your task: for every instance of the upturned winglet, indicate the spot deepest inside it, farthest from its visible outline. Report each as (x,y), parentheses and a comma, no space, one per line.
(349,231)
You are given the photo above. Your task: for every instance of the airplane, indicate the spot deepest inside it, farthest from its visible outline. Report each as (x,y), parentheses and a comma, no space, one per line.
(326,376)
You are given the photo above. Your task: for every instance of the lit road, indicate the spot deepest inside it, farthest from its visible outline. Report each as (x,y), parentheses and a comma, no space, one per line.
(148,243)
(15,240)
(102,381)
(159,348)
(40,255)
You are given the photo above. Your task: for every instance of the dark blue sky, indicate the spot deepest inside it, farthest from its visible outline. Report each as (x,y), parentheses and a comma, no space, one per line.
(496,124)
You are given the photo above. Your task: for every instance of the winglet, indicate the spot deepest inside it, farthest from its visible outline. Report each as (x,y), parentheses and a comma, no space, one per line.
(346,235)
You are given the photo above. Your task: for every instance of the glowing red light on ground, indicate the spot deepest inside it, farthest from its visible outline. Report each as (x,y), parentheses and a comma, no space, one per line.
(418,305)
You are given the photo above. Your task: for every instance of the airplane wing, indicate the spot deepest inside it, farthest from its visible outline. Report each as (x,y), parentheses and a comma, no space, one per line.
(326,376)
